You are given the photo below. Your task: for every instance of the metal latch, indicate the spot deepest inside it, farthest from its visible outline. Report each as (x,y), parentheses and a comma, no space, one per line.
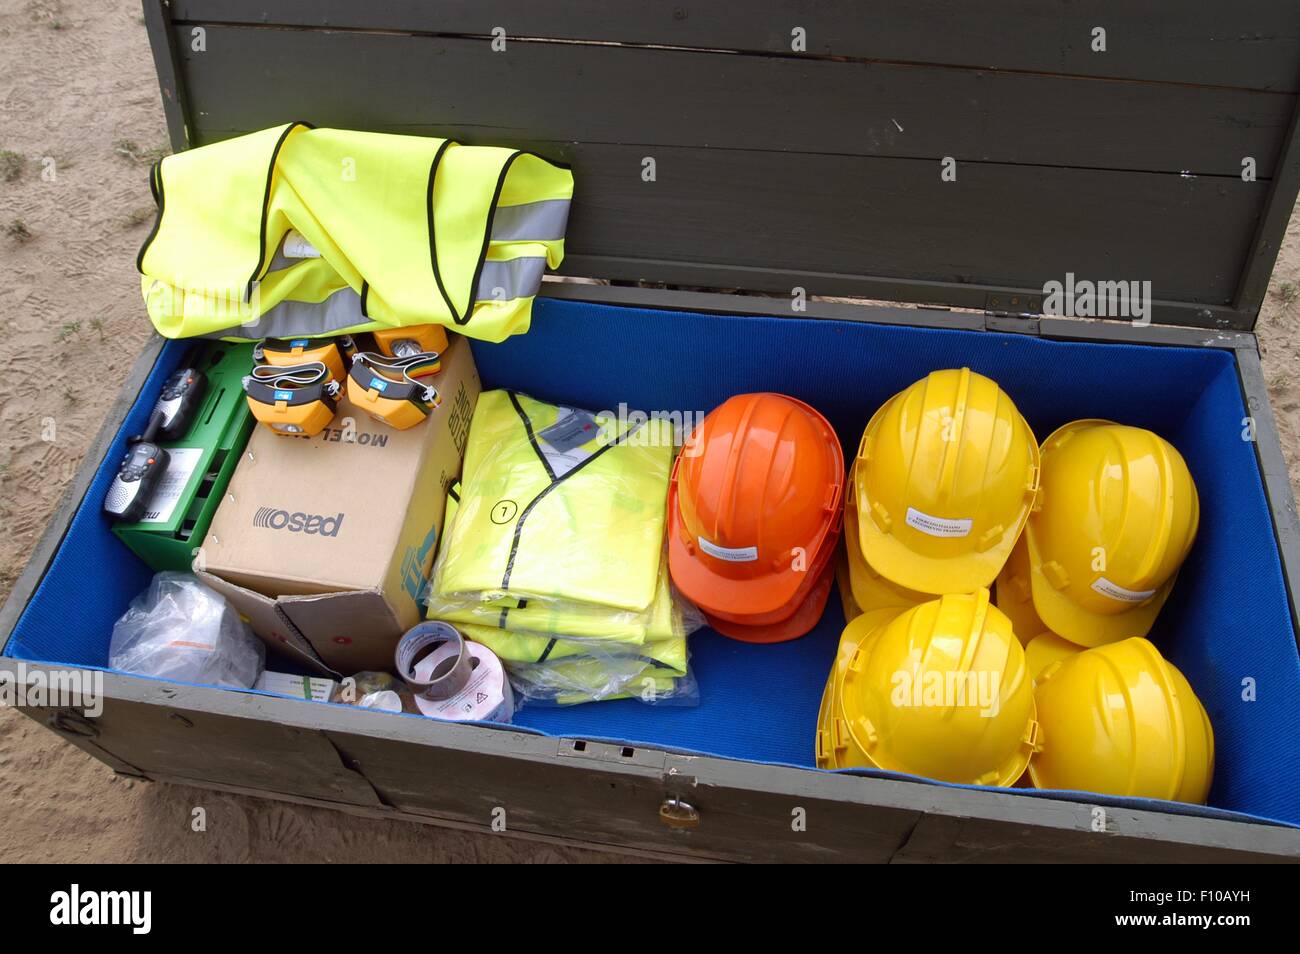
(679,814)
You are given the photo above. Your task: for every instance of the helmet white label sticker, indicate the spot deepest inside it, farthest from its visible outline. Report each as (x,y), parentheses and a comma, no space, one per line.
(1116,592)
(938,526)
(730,554)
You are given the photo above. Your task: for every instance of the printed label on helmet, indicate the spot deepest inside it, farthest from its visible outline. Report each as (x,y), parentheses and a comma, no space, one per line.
(730,554)
(1116,592)
(937,526)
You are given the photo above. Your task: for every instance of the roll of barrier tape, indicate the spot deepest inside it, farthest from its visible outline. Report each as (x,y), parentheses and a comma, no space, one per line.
(457,679)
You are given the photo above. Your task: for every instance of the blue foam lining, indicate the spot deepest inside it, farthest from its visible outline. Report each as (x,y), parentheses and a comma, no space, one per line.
(1226,624)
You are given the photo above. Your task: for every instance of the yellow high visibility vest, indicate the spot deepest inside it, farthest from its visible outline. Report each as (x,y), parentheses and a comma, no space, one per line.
(397,230)
(666,657)
(571,682)
(569,673)
(559,504)
(557,619)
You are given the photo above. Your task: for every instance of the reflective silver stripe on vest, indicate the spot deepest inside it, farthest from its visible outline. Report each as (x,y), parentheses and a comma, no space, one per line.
(301,319)
(542,221)
(517,278)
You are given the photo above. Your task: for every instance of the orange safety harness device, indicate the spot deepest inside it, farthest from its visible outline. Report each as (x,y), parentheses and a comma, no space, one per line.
(386,388)
(409,342)
(295,401)
(334,353)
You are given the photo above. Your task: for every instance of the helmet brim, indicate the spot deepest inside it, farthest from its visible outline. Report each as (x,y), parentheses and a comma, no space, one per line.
(901,566)
(804,617)
(760,596)
(1068,620)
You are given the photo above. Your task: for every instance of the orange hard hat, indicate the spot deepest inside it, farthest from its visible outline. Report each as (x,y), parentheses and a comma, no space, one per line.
(811,572)
(800,615)
(754,507)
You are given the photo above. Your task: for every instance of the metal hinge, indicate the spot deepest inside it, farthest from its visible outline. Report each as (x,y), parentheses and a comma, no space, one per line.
(1017,314)
(1013,324)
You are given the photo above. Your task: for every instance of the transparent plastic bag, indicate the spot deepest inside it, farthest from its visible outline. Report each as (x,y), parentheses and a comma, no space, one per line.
(355,687)
(675,618)
(669,615)
(180,629)
(599,676)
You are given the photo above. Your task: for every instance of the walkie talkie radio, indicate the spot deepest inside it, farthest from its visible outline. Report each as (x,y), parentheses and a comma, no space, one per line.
(145,462)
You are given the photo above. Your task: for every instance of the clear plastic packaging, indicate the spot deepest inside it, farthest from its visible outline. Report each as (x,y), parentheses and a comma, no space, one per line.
(180,629)
(669,615)
(575,681)
(353,688)
(561,507)
(569,672)
(553,554)
(672,616)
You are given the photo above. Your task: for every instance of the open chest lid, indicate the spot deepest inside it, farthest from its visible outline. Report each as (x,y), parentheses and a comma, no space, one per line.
(981,155)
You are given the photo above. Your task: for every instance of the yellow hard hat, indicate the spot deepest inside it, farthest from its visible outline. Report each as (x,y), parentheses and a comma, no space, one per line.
(1014,594)
(834,745)
(1045,649)
(1117,515)
(1014,597)
(946,473)
(871,590)
(823,754)
(1121,720)
(942,691)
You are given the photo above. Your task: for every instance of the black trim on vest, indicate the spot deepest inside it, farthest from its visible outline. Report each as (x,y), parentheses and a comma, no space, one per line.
(365,294)
(487,233)
(532,438)
(433,245)
(156,188)
(266,208)
(519,524)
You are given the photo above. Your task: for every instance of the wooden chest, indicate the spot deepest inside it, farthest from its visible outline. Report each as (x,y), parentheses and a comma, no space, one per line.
(736,166)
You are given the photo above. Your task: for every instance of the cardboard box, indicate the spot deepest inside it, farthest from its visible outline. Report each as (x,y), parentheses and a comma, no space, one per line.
(324,544)
(314,688)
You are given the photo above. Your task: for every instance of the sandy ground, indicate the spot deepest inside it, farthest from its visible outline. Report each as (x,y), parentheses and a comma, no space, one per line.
(79,106)
(78,96)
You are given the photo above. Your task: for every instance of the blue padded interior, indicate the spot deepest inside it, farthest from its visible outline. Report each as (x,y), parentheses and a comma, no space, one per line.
(1227,621)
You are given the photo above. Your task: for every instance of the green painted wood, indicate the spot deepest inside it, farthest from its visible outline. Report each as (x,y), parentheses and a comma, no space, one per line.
(771,172)
(158,22)
(597,793)
(655,97)
(1248,43)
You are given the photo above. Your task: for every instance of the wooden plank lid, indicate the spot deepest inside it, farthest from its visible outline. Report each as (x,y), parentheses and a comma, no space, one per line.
(959,153)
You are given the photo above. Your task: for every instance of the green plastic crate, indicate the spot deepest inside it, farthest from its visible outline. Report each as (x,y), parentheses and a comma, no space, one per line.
(202,462)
